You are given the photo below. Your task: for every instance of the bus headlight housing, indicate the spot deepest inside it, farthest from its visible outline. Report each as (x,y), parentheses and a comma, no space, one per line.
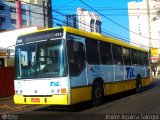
(52,91)
(18,92)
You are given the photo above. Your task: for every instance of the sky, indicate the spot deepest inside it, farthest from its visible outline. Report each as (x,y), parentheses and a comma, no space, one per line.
(115,11)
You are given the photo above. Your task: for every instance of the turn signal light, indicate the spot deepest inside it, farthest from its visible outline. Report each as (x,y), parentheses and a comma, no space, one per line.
(63,90)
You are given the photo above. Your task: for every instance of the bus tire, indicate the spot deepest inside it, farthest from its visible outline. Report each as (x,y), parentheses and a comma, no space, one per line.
(97,93)
(138,84)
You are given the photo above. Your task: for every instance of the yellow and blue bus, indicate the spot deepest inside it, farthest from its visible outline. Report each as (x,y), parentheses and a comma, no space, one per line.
(65,66)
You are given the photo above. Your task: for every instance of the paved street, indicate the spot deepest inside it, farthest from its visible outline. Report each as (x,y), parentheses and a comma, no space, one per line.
(7,106)
(144,105)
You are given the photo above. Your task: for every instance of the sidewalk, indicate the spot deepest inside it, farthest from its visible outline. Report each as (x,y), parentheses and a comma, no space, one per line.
(6,98)
(7,106)
(156,77)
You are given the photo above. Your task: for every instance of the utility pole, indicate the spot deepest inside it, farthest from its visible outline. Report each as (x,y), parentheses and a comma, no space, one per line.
(29,13)
(71,20)
(149,24)
(47,13)
(19,14)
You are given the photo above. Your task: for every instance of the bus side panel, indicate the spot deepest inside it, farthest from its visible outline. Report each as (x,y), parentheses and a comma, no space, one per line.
(108,73)
(139,70)
(130,73)
(121,86)
(81,94)
(119,73)
(117,87)
(148,71)
(146,81)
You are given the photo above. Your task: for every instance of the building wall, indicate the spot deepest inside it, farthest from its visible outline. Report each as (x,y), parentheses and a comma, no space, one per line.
(155,35)
(39,2)
(138,23)
(88,21)
(141,21)
(31,15)
(6,15)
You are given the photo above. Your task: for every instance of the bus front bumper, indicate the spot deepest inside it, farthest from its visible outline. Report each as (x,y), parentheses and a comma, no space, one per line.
(53,100)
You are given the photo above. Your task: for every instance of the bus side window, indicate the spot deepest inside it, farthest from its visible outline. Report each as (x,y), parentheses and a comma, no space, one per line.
(141,58)
(126,56)
(146,58)
(117,54)
(105,53)
(134,56)
(76,57)
(92,51)
(24,58)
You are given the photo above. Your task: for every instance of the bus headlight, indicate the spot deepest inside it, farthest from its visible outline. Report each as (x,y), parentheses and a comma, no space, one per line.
(16,91)
(21,91)
(52,91)
(58,91)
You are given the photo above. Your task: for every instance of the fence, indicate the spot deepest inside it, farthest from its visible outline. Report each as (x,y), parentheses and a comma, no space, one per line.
(6,81)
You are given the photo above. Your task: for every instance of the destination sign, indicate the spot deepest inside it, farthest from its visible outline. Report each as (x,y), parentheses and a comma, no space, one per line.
(44,35)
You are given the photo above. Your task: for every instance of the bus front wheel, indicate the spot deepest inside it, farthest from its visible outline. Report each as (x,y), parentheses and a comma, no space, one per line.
(97,93)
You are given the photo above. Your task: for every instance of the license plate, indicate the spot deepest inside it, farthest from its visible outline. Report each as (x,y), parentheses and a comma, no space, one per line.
(35,100)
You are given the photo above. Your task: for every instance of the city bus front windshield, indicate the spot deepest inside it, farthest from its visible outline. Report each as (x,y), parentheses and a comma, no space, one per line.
(40,60)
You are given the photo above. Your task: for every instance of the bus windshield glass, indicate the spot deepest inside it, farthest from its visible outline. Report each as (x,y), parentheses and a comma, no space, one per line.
(44,59)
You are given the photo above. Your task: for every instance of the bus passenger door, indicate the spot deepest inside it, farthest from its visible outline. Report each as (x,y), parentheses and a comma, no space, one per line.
(76,61)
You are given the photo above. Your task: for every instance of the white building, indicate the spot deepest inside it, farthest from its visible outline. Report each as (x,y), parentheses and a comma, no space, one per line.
(88,21)
(144,20)
(31,15)
(155,34)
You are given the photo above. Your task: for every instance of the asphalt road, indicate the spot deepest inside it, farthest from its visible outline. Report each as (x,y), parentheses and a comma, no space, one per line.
(126,106)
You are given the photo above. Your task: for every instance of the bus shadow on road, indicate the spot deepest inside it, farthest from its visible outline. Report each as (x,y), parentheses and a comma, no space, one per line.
(151,86)
(87,105)
(122,95)
(72,108)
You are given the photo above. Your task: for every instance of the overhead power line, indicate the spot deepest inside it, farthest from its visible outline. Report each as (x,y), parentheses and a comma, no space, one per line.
(103,31)
(65,4)
(114,21)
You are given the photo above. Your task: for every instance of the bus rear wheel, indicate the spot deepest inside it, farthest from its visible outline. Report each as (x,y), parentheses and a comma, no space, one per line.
(97,93)
(138,85)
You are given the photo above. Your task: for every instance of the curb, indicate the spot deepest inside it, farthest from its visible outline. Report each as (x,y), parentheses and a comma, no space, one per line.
(156,77)
(6,98)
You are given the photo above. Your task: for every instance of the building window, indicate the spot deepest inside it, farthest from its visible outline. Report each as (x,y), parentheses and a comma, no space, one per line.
(2,7)
(24,22)
(2,19)
(92,25)
(23,11)
(13,21)
(13,9)
(98,26)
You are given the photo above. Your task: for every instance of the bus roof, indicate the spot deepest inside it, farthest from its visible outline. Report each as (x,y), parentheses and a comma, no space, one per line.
(92,35)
